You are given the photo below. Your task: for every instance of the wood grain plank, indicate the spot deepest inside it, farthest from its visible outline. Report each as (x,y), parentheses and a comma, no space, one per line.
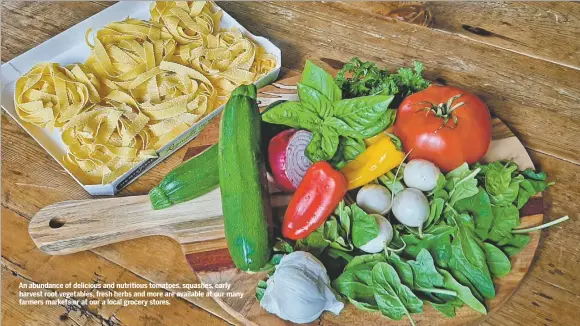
(21,256)
(544,30)
(538,99)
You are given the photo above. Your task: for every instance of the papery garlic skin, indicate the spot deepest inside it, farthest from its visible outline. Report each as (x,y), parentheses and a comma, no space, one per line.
(299,290)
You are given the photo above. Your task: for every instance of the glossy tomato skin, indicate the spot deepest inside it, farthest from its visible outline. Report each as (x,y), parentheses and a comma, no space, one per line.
(449,146)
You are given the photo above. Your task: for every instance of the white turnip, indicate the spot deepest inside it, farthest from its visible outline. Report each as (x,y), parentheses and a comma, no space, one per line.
(421,174)
(374,199)
(384,238)
(411,207)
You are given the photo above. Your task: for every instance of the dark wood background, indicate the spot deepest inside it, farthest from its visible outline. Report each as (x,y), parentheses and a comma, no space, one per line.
(523,59)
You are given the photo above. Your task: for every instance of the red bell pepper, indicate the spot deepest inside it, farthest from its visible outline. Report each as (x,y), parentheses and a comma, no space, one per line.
(315,199)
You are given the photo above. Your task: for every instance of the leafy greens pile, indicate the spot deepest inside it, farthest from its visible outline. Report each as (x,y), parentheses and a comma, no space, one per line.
(466,242)
(366,78)
(339,123)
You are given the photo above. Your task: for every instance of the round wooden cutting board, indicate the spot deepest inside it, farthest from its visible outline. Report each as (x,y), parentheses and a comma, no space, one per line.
(212,263)
(197,225)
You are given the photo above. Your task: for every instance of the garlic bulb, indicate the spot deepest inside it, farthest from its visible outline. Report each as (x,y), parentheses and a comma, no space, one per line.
(299,290)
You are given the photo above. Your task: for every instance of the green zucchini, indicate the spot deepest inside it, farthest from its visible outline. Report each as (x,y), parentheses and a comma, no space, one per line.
(193,178)
(244,188)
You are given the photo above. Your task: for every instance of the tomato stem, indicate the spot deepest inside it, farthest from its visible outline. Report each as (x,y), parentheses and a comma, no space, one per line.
(445,111)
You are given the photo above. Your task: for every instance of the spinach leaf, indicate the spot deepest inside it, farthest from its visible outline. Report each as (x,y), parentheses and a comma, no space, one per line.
(480,207)
(424,272)
(447,308)
(357,285)
(321,81)
(260,289)
(437,241)
(364,227)
(469,258)
(282,245)
(336,253)
(403,269)
(507,197)
(525,192)
(463,292)
(463,187)
(314,243)
(292,114)
(435,210)
(505,219)
(388,180)
(364,306)
(393,298)
(498,178)
(498,262)
(516,244)
(531,174)
(314,101)
(364,259)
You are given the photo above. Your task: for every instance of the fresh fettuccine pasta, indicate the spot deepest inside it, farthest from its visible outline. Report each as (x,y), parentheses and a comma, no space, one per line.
(144,83)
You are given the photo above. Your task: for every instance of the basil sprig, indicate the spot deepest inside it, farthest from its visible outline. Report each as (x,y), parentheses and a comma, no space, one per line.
(331,119)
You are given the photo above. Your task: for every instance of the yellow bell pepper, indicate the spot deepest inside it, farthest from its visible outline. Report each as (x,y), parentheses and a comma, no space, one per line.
(379,158)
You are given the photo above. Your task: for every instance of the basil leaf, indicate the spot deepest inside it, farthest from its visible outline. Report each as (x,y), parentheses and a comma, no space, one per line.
(393,298)
(317,78)
(323,145)
(364,227)
(424,272)
(505,219)
(361,112)
(348,149)
(463,292)
(314,101)
(384,121)
(342,128)
(479,206)
(292,114)
(498,262)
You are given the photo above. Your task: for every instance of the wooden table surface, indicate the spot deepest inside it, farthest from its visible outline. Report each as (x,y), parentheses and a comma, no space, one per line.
(523,59)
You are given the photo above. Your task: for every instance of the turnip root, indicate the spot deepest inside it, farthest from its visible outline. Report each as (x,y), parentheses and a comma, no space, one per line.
(411,207)
(384,238)
(374,199)
(421,174)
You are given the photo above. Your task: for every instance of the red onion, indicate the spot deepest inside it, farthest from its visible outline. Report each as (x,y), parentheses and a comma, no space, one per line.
(288,159)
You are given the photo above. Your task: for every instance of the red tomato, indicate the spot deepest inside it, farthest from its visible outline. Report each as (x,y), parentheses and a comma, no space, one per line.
(444,125)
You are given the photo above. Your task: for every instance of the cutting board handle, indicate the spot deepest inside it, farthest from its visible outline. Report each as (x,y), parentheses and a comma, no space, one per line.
(77,225)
